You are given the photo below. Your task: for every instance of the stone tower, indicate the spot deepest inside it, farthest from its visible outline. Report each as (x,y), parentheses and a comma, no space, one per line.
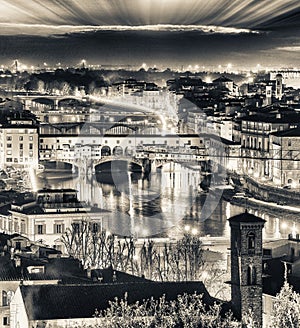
(279,86)
(268,95)
(246,265)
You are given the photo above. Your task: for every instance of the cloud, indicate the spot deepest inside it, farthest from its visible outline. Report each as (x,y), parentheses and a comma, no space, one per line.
(289,48)
(46,30)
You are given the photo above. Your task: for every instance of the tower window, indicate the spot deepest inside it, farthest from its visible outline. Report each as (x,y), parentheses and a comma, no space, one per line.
(251,275)
(251,241)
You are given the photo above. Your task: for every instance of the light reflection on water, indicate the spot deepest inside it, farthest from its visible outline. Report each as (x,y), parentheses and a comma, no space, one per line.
(162,204)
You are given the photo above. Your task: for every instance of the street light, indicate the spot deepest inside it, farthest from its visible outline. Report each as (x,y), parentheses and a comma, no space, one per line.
(194,231)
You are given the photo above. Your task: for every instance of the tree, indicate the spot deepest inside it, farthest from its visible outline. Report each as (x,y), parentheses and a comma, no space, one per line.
(98,248)
(286,308)
(186,311)
(180,261)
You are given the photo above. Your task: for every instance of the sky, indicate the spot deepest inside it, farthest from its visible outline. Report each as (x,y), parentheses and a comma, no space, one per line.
(157,32)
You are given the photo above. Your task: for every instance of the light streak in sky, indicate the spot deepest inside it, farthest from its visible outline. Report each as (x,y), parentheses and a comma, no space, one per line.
(43,29)
(235,13)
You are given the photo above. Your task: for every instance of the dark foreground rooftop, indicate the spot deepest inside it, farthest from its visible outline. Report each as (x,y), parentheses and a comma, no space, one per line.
(46,302)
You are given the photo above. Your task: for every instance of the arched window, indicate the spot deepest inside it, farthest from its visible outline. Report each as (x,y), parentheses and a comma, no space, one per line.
(4,298)
(105,151)
(251,275)
(251,241)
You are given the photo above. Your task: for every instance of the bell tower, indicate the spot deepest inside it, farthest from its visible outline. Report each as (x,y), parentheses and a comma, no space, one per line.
(279,86)
(246,265)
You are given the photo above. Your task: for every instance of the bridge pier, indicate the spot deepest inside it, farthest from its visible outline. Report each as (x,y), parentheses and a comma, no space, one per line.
(146,165)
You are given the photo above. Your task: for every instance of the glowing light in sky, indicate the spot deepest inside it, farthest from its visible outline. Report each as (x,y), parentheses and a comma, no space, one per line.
(44,29)
(236,13)
(246,28)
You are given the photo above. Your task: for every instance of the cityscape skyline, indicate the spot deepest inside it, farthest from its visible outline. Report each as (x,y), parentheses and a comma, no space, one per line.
(149,149)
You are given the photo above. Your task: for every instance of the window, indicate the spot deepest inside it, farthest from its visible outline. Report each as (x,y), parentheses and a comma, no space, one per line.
(58,228)
(5,321)
(76,227)
(8,145)
(8,152)
(21,138)
(31,146)
(95,227)
(30,154)
(31,138)
(251,275)
(23,227)
(8,138)
(40,229)
(251,241)
(289,142)
(4,298)
(8,160)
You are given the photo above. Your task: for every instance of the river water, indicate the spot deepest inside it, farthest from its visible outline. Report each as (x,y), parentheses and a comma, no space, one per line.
(163,204)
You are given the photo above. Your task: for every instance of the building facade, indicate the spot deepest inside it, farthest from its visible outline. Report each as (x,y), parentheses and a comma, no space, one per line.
(285,157)
(256,148)
(19,140)
(46,217)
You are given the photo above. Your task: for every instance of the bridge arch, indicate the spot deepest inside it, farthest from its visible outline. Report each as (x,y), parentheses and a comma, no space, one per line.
(69,101)
(43,101)
(53,167)
(120,128)
(119,165)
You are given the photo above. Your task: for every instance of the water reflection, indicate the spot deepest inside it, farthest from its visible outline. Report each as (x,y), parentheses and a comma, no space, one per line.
(163,203)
